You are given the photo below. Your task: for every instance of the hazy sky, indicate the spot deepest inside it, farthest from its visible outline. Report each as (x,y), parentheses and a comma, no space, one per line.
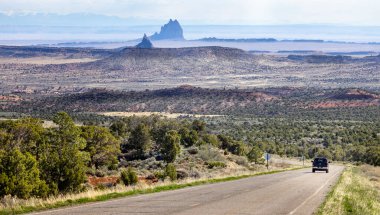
(346,12)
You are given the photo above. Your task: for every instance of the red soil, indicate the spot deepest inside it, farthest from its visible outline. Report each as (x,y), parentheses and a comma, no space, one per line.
(95,181)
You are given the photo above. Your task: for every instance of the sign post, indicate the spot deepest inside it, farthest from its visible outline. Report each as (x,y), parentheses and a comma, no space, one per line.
(303,160)
(267,158)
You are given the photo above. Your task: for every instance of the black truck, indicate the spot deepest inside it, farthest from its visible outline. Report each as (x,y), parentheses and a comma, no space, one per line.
(320,164)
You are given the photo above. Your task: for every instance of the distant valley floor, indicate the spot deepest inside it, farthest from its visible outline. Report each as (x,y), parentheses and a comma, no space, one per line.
(50,71)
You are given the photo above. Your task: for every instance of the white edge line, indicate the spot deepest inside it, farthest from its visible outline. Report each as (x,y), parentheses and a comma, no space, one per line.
(314,194)
(108,201)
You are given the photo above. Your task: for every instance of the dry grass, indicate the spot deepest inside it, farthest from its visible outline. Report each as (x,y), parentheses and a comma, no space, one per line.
(355,193)
(373,173)
(15,203)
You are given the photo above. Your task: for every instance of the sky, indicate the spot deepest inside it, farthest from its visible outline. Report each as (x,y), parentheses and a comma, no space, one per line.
(244,12)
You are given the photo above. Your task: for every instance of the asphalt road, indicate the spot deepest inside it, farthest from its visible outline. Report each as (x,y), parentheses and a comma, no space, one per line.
(291,192)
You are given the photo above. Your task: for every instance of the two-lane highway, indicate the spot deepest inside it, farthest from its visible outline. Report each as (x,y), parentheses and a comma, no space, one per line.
(291,192)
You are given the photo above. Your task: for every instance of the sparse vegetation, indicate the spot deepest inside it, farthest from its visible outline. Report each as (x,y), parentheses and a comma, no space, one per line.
(171,172)
(129,177)
(295,103)
(162,66)
(212,164)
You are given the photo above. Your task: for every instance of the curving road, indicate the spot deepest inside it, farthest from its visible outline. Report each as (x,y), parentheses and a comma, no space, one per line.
(291,192)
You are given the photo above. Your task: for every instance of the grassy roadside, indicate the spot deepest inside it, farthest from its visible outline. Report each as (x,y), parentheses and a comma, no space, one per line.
(354,193)
(172,186)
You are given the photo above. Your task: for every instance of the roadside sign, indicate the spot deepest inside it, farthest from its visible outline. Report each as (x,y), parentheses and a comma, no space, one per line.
(266,156)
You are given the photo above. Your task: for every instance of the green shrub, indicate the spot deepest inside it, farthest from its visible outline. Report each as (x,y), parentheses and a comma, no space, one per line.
(101,146)
(212,139)
(233,146)
(373,155)
(170,146)
(19,175)
(160,175)
(100,187)
(188,138)
(256,155)
(199,125)
(171,172)
(113,166)
(139,140)
(61,160)
(91,171)
(129,177)
(100,173)
(212,164)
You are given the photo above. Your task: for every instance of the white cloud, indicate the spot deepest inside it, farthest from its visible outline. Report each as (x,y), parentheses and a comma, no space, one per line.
(348,12)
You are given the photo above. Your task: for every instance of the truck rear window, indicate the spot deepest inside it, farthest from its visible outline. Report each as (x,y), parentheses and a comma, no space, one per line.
(320,161)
